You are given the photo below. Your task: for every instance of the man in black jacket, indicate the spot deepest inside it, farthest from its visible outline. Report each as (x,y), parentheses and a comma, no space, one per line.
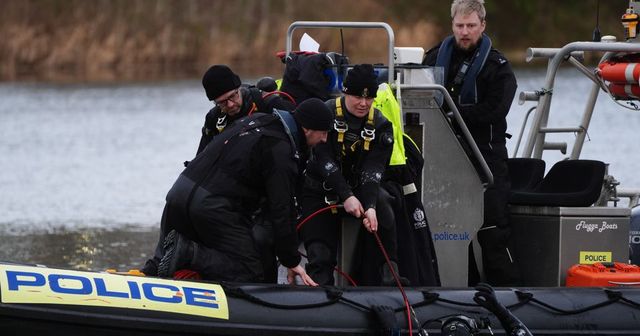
(482,84)
(233,101)
(348,169)
(207,219)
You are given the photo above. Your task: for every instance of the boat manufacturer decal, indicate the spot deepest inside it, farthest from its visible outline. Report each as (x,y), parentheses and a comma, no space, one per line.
(595,227)
(38,285)
(592,257)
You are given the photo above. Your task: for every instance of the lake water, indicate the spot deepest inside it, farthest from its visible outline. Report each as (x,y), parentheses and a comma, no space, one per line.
(84,169)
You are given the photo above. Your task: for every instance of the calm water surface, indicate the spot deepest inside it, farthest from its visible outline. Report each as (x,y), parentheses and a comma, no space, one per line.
(85,169)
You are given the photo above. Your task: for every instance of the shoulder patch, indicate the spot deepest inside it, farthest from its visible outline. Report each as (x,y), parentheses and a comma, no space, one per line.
(497,57)
(387,138)
(329,167)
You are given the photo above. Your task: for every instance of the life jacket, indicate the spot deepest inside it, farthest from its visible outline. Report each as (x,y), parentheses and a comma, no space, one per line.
(466,77)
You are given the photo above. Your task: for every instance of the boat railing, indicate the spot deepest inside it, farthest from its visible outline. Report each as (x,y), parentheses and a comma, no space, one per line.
(535,143)
(458,117)
(632,194)
(344,24)
(524,123)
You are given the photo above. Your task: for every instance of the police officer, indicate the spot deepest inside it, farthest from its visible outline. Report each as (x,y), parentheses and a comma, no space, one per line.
(208,215)
(482,85)
(233,101)
(348,169)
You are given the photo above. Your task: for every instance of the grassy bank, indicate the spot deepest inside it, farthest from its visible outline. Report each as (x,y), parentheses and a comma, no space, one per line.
(105,40)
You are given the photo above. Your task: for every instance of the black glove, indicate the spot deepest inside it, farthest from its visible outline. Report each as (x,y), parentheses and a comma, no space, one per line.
(486,297)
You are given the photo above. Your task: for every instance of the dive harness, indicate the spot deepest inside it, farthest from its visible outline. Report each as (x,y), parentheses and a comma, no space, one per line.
(368,133)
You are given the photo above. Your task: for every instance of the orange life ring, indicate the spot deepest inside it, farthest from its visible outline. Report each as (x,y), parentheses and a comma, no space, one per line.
(620,72)
(624,91)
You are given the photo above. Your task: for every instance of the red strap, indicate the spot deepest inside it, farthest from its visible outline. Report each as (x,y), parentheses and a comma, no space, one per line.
(280,93)
(282,54)
(186,274)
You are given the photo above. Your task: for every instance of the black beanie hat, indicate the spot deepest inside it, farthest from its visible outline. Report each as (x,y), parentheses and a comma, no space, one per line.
(314,114)
(218,80)
(361,81)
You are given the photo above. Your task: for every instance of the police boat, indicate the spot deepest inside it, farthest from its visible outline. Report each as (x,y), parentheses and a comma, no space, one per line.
(37,300)
(571,234)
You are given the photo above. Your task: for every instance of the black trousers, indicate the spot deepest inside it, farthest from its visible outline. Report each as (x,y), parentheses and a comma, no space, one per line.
(500,267)
(222,232)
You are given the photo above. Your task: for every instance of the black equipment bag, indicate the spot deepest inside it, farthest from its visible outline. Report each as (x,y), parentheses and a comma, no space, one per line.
(309,75)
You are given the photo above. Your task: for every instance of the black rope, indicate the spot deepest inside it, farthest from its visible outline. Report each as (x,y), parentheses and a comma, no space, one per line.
(612,299)
(358,304)
(523,299)
(429,298)
(630,302)
(335,295)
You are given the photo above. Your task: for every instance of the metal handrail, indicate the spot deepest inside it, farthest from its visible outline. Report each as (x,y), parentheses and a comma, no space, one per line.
(549,53)
(343,24)
(535,138)
(631,193)
(524,125)
(463,126)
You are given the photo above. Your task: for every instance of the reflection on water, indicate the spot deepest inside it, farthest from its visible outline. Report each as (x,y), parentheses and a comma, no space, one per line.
(84,249)
(85,169)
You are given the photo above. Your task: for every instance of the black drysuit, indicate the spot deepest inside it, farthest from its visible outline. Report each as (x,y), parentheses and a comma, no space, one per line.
(337,171)
(214,198)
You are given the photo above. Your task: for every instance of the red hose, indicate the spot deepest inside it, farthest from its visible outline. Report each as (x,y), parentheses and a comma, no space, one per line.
(317,212)
(288,96)
(397,279)
(335,206)
(386,257)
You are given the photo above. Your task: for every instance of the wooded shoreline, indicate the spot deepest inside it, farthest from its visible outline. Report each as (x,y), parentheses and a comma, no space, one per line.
(131,40)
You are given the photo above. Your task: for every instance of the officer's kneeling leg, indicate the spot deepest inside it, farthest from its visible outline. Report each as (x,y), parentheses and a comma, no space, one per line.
(322,261)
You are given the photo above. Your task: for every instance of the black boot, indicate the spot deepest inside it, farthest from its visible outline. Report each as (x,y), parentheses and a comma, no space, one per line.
(178,253)
(321,263)
(387,278)
(150,267)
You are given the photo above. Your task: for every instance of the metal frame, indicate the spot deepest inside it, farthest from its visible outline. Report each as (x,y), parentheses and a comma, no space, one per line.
(538,130)
(343,24)
(390,61)
(458,117)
